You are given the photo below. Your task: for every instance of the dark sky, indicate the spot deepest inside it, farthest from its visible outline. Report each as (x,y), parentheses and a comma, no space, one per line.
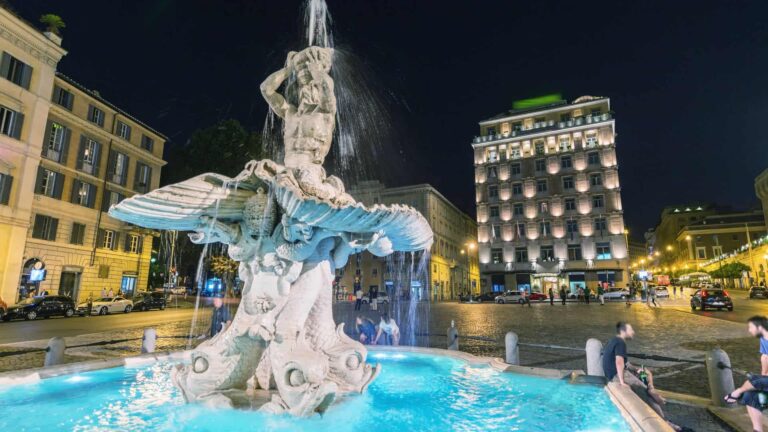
(688,80)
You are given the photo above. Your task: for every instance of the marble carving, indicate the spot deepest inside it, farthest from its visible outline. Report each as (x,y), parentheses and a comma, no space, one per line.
(289,226)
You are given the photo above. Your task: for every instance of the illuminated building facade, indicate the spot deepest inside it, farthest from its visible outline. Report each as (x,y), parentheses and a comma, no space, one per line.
(548,198)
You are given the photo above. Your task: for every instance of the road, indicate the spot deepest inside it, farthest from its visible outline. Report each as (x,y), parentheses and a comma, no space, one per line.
(20,331)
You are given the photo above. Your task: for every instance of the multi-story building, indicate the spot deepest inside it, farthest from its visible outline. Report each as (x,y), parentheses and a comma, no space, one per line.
(662,239)
(66,155)
(27,70)
(548,198)
(761,188)
(452,266)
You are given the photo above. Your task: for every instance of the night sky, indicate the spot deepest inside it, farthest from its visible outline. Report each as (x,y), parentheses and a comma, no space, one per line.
(687,79)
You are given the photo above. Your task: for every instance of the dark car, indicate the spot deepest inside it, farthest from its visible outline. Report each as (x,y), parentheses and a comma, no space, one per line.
(758,291)
(537,296)
(46,306)
(711,298)
(3,308)
(487,297)
(145,301)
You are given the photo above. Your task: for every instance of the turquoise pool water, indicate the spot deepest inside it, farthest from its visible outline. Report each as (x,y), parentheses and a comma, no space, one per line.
(415,392)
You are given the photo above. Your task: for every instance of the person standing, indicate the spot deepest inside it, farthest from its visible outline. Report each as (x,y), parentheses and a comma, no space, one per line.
(652,294)
(674,291)
(551,296)
(601,294)
(220,318)
(90,305)
(358,298)
(586,293)
(563,295)
(580,294)
(111,293)
(373,294)
(526,298)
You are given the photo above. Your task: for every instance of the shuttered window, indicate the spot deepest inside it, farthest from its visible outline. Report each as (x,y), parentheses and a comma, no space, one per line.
(49,183)
(63,97)
(78,234)
(117,168)
(143,178)
(147,143)
(133,243)
(15,70)
(11,122)
(56,145)
(89,156)
(108,239)
(45,227)
(6,182)
(95,115)
(123,131)
(111,198)
(83,194)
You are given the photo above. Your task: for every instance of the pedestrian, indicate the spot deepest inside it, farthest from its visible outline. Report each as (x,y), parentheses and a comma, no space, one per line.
(358,298)
(749,392)
(104,292)
(220,317)
(601,294)
(366,329)
(586,294)
(674,291)
(111,293)
(389,328)
(580,294)
(90,305)
(526,298)
(562,294)
(652,294)
(373,294)
(551,296)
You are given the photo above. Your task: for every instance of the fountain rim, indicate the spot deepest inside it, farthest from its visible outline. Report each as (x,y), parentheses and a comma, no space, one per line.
(638,415)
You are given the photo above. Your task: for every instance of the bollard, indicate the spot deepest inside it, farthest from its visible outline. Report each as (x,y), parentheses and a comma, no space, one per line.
(54,352)
(720,376)
(594,350)
(453,337)
(513,351)
(148,341)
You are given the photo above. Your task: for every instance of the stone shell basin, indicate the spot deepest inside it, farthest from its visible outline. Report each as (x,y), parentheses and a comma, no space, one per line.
(151,405)
(180,206)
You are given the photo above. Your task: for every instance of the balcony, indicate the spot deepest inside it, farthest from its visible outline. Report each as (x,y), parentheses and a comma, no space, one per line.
(546,126)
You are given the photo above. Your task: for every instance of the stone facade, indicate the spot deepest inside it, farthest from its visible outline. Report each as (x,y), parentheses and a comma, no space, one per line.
(27,70)
(761,188)
(548,198)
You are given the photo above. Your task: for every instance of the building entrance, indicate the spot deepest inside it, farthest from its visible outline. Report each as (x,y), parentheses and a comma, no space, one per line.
(69,285)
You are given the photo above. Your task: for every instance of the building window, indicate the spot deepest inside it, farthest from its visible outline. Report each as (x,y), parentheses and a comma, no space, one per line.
(83,194)
(133,245)
(547,253)
(494,211)
(539,148)
(570,204)
(566,162)
(603,251)
(493,191)
(123,131)
(492,173)
(515,153)
(545,229)
(517,188)
(596,179)
(57,143)
(491,131)
(147,143)
(598,201)
(701,252)
(593,158)
(517,209)
(520,229)
(541,186)
(567,182)
(497,257)
(574,252)
(11,122)
(118,168)
(107,239)
(571,227)
(111,198)
(543,207)
(15,70)
(565,144)
(95,115)
(45,228)
(540,165)
(374,271)
(521,254)
(592,140)
(77,236)
(493,156)
(63,97)
(496,231)
(717,251)
(89,156)
(6,182)
(49,183)
(600,225)
(515,168)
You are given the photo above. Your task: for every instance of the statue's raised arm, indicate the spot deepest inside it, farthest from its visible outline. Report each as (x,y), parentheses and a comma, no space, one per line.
(269,87)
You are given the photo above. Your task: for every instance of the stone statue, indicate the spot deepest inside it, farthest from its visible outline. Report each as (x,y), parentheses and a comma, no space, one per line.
(290,227)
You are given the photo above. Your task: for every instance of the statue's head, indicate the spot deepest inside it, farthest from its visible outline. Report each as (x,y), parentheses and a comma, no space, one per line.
(313,58)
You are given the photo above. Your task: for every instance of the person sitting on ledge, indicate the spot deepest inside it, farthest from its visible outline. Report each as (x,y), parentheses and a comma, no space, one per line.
(755,387)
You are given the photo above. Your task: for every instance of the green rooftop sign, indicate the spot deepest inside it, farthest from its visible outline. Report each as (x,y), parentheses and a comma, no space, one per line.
(537,101)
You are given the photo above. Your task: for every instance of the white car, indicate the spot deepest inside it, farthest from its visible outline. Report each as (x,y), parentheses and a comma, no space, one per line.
(106,305)
(662,292)
(381,298)
(509,297)
(616,294)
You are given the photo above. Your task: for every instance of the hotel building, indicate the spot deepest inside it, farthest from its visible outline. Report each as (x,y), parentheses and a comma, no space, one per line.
(548,198)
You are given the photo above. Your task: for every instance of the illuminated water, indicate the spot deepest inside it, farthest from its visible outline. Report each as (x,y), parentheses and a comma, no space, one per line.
(415,392)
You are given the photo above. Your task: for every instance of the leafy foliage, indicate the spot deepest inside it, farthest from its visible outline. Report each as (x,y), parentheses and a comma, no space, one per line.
(53,23)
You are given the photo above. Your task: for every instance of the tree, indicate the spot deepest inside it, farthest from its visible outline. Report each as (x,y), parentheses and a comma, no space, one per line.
(225,268)
(730,271)
(53,23)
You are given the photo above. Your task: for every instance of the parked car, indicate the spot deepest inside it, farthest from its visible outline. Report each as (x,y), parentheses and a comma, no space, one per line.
(711,299)
(144,301)
(662,292)
(509,297)
(43,306)
(487,296)
(106,305)
(616,294)
(758,291)
(538,296)
(3,308)
(381,298)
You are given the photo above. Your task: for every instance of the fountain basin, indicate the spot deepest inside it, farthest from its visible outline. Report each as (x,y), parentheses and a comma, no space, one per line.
(418,389)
